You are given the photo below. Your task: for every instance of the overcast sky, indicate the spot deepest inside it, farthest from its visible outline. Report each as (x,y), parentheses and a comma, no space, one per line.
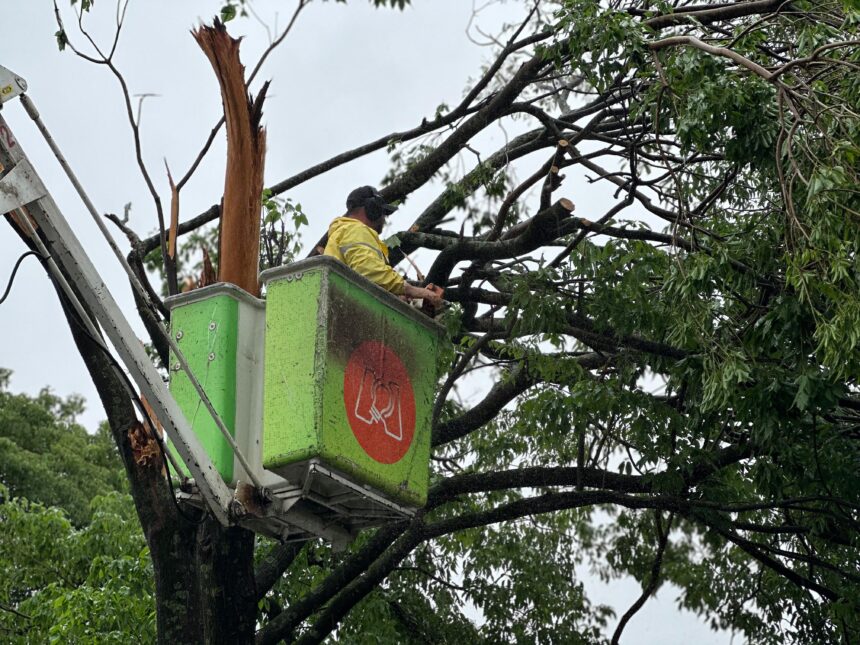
(345,76)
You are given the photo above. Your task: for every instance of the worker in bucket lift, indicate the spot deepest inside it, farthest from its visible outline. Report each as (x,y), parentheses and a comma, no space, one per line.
(354,240)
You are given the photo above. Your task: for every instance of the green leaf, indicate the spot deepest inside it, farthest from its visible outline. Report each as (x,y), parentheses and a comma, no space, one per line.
(228,12)
(62,39)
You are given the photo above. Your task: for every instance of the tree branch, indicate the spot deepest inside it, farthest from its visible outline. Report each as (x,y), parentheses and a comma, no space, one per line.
(707,14)
(653,582)
(273,565)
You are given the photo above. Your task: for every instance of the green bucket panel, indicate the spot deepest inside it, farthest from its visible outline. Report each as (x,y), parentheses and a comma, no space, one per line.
(207,333)
(362,382)
(292,398)
(391,362)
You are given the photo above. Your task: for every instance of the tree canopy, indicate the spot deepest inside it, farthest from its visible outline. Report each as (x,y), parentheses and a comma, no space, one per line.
(671,388)
(73,560)
(47,458)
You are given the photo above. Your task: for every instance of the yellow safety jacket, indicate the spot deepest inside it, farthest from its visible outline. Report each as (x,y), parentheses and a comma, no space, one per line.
(358,246)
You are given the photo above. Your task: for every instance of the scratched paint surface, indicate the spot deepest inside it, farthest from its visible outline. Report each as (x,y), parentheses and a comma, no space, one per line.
(359,383)
(207,337)
(291,399)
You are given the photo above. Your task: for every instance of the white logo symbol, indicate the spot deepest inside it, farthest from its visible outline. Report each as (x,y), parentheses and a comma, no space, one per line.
(379,402)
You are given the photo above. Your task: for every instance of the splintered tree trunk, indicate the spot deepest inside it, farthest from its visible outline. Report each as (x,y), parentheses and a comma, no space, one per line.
(239,249)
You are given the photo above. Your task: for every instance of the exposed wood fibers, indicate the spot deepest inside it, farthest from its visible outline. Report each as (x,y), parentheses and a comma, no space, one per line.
(239,250)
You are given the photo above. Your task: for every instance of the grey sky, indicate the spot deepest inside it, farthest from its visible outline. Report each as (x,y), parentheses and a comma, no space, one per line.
(345,76)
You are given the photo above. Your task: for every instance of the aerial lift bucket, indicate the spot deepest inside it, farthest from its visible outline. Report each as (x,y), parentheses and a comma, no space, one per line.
(327,386)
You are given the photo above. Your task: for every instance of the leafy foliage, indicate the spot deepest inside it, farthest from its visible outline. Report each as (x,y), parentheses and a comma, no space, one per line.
(73,561)
(278,244)
(64,585)
(46,457)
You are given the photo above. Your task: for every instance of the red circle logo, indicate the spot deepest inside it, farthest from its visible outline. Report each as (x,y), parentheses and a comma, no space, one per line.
(380,403)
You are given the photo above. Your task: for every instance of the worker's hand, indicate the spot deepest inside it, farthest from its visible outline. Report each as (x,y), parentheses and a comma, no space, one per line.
(431,293)
(436,294)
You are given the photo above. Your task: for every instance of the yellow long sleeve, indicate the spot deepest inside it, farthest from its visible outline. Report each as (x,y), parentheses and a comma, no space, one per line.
(358,246)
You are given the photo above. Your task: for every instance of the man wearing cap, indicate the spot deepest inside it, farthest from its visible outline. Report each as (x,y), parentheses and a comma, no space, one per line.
(354,240)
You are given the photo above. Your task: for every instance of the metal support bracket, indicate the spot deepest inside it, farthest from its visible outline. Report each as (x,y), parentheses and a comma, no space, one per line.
(11,85)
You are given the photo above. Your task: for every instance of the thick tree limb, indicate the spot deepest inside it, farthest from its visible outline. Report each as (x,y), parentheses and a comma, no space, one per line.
(707,14)
(753,550)
(503,392)
(419,532)
(543,227)
(149,243)
(273,565)
(282,625)
(584,330)
(692,41)
(542,476)
(534,477)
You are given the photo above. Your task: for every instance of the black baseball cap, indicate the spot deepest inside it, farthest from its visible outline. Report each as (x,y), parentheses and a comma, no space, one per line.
(369,197)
